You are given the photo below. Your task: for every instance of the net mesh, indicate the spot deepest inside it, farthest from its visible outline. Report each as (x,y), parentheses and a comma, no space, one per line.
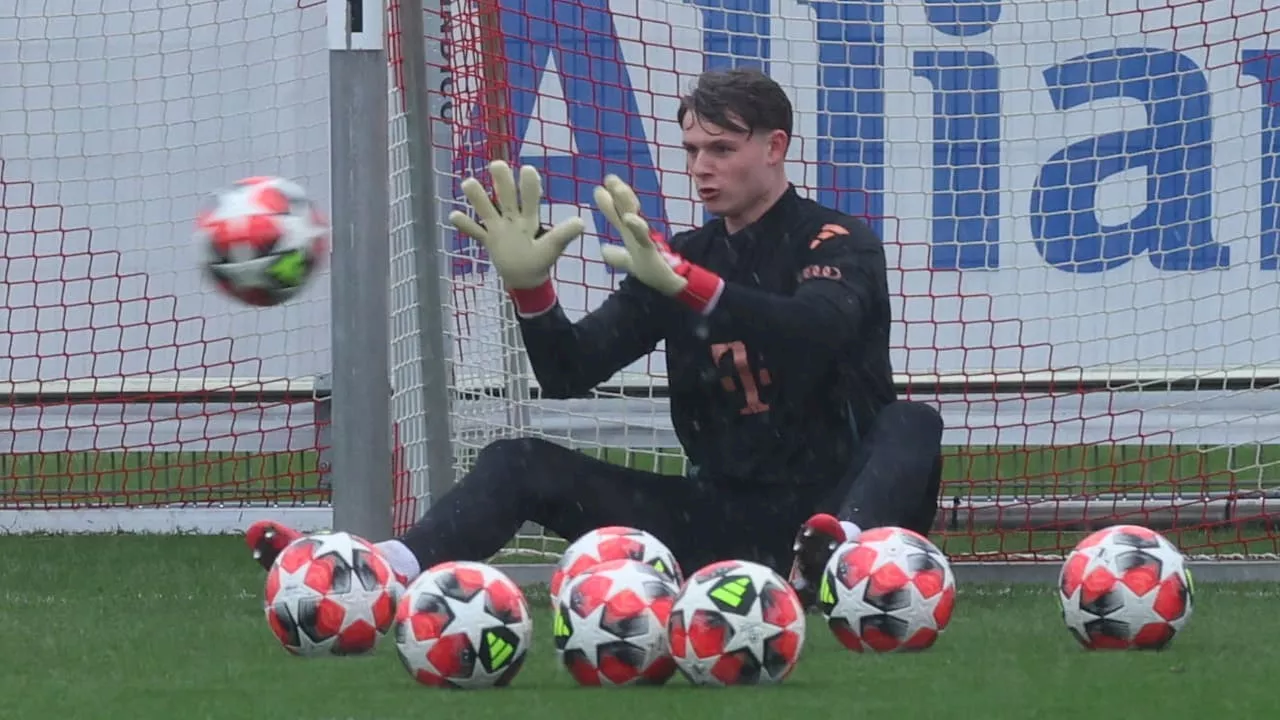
(1081,193)
(119,117)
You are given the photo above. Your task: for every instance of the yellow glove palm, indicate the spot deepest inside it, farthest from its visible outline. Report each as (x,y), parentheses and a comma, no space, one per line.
(509,232)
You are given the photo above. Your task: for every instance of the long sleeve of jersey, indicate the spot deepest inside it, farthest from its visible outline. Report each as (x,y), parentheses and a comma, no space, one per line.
(841,283)
(571,358)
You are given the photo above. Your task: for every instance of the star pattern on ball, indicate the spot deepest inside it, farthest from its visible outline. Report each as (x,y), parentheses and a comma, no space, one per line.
(1098,557)
(339,544)
(475,618)
(293,589)
(363,610)
(1129,605)
(920,612)
(579,639)
(751,632)
(293,584)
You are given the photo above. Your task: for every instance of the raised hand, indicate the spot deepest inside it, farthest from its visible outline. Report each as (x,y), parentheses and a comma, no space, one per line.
(522,254)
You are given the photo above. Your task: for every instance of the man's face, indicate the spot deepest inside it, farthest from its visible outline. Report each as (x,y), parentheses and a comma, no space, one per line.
(732,171)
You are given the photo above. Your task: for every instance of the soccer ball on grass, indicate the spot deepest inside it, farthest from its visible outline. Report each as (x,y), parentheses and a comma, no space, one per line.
(463,625)
(613,542)
(263,240)
(736,622)
(889,590)
(330,593)
(611,625)
(1125,587)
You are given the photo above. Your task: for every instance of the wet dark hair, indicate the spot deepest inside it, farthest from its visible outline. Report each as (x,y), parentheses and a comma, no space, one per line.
(742,99)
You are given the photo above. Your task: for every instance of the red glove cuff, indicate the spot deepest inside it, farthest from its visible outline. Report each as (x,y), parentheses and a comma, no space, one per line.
(702,289)
(533,302)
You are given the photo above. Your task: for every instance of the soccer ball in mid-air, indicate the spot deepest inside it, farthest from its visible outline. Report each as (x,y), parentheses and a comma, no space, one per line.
(263,239)
(330,593)
(611,625)
(889,590)
(463,625)
(1125,587)
(614,542)
(736,622)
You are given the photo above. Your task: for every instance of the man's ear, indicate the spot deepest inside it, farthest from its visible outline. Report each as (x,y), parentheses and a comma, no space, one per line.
(777,147)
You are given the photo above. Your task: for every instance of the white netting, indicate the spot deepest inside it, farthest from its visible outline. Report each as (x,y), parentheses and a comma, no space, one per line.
(117,117)
(1067,190)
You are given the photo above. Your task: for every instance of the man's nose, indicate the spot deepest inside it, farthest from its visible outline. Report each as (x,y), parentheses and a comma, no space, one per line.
(701,165)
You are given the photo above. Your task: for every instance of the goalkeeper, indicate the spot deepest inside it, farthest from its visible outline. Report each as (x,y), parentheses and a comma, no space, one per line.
(776,320)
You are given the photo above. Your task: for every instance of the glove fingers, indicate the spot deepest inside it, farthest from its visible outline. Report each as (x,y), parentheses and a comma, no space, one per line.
(637,228)
(504,187)
(479,199)
(604,201)
(559,237)
(465,224)
(623,196)
(616,257)
(530,194)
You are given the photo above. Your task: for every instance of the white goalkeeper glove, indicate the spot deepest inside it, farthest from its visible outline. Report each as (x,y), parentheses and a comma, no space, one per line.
(647,256)
(521,253)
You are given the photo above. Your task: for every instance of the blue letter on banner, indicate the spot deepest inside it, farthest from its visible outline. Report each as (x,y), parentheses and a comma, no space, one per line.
(1265,66)
(966,158)
(851,107)
(603,117)
(735,33)
(962,18)
(1174,228)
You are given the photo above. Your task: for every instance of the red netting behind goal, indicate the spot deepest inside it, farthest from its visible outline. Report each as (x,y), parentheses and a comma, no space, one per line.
(1086,206)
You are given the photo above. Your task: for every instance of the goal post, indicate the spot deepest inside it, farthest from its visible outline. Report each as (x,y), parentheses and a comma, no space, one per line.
(360,314)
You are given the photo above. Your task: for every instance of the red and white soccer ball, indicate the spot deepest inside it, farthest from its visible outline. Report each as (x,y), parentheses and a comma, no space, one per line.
(463,625)
(889,590)
(263,240)
(1125,587)
(330,593)
(736,622)
(614,542)
(611,625)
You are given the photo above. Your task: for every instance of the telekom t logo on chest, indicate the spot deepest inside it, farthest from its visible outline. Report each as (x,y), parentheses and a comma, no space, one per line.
(1036,121)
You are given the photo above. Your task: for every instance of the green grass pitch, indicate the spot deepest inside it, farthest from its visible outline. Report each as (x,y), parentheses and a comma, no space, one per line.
(140,627)
(130,627)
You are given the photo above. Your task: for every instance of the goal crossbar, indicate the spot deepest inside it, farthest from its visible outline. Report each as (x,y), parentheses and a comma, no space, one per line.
(152,389)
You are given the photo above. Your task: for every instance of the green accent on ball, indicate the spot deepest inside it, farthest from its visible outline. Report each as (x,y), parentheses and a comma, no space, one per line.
(500,651)
(561,627)
(825,595)
(290,269)
(730,592)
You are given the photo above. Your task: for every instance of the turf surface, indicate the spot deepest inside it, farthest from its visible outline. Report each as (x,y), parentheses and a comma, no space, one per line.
(141,627)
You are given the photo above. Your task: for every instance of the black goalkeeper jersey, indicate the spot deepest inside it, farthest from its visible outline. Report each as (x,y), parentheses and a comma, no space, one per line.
(778,382)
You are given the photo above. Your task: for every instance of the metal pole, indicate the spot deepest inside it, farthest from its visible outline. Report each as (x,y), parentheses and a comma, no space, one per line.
(360,323)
